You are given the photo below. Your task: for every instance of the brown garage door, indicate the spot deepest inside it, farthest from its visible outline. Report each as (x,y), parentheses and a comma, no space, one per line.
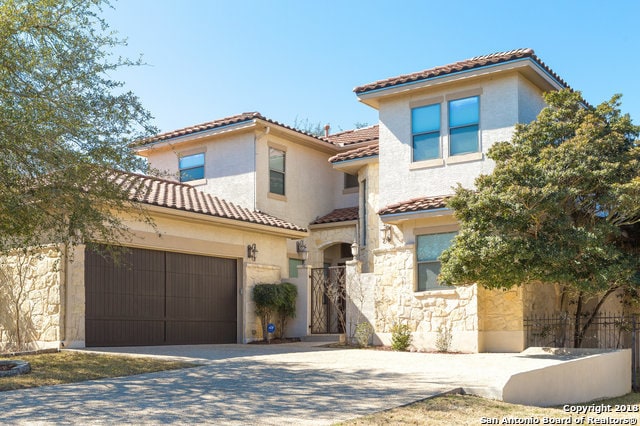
(154,297)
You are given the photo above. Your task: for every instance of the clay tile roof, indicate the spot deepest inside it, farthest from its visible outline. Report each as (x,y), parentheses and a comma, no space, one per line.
(179,196)
(338,215)
(362,152)
(416,205)
(467,64)
(350,137)
(235,119)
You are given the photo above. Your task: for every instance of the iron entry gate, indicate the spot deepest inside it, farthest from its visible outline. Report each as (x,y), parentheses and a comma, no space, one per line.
(328,300)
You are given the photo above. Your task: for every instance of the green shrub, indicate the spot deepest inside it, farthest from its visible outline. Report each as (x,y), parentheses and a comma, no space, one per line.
(400,337)
(272,300)
(286,305)
(363,334)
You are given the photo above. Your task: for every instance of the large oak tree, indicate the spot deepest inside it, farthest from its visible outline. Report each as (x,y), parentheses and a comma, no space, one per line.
(64,123)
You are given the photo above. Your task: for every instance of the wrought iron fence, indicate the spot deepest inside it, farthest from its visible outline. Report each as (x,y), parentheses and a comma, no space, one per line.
(606,331)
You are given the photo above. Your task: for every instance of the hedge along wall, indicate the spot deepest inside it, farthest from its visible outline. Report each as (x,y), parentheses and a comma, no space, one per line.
(30,286)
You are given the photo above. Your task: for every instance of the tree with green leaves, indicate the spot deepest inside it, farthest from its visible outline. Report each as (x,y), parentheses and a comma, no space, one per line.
(562,206)
(64,124)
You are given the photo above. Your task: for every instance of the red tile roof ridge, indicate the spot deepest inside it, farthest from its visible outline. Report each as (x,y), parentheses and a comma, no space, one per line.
(221,122)
(466,64)
(181,196)
(357,153)
(354,136)
(416,204)
(338,215)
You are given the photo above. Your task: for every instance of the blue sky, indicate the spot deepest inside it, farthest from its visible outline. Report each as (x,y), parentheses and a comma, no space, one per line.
(300,60)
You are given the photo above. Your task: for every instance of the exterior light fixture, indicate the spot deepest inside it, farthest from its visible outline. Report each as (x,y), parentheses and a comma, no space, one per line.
(354,250)
(386,233)
(252,251)
(301,248)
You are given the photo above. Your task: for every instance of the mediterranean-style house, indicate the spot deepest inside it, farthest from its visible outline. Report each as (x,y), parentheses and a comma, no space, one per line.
(253,201)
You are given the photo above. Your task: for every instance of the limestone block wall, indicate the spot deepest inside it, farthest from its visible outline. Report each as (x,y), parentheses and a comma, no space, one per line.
(428,314)
(500,320)
(30,292)
(256,273)
(322,237)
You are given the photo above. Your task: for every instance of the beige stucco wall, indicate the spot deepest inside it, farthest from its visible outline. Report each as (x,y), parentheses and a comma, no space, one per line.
(34,281)
(312,187)
(500,99)
(229,164)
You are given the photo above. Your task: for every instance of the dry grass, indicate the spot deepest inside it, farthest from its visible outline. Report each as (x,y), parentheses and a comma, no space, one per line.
(69,367)
(470,410)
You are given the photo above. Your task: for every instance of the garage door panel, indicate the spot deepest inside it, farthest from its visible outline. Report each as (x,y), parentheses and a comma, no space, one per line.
(157,297)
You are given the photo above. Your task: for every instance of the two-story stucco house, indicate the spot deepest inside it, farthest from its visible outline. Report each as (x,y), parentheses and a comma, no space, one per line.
(251,200)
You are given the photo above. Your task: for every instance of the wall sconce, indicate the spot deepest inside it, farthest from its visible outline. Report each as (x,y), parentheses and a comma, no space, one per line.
(386,233)
(251,251)
(354,250)
(301,248)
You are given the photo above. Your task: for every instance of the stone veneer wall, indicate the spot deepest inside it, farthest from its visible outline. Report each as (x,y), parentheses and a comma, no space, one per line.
(424,312)
(35,280)
(500,320)
(322,237)
(256,273)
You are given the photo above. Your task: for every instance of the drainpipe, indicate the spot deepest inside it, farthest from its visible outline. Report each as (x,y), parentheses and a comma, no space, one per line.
(63,296)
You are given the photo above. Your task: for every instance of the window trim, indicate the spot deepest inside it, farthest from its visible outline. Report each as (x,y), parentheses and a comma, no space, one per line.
(438,131)
(432,230)
(457,97)
(284,172)
(192,154)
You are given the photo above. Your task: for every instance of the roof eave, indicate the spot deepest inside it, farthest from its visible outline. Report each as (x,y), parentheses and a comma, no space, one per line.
(541,77)
(420,214)
(228,128)
(351,166)
(337,224)
(228,222)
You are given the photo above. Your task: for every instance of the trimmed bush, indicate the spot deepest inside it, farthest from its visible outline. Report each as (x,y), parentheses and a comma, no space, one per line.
(400,337)
(272,300)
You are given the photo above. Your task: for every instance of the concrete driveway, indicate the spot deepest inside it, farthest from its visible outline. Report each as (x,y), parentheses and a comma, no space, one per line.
(258,384)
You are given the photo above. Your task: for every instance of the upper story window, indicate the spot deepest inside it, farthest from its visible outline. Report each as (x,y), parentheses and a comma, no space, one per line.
(191,167)
(350,181)
(464,117)
(428,249)
(425,127)
(276,171)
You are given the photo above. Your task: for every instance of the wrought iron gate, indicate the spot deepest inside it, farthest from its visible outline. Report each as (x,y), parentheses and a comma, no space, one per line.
(328,300)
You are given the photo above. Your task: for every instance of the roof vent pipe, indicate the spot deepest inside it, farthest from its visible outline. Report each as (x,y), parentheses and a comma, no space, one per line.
(326,130)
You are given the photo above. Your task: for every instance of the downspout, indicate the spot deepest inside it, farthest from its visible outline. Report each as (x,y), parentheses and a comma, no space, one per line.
(63,296)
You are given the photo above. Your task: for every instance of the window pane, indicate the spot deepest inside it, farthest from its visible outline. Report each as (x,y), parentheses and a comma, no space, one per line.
(427,274)
(431,246)
(463,111)
(192,174)
(189,161)
(463,140)
(350,181)
(293,267)
(276,160)
(425,119)
(276,182)
(426,147)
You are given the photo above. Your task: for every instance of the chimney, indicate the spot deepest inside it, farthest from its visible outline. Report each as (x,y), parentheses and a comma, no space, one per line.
(326,130)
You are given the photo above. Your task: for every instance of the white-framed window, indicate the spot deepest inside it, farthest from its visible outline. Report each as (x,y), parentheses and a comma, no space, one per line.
(464,120)
(276,171)
(191,167)
(425,130)
(429,247)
